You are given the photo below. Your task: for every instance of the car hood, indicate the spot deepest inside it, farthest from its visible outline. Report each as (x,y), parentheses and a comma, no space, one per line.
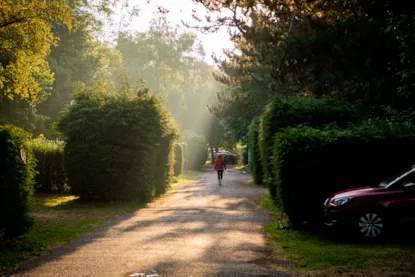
(356,192)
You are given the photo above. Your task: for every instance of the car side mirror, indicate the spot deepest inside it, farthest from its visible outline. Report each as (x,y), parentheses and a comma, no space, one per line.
(409,187)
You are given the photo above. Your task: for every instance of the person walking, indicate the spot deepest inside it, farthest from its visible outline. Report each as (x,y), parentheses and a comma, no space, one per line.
(220,165)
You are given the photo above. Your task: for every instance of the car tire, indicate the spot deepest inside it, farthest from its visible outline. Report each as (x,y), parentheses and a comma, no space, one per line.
(371,224)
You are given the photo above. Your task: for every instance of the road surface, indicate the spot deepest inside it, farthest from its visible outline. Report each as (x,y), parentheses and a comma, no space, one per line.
(199,229)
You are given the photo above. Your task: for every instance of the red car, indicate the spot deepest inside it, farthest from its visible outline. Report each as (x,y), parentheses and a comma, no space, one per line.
(371,211)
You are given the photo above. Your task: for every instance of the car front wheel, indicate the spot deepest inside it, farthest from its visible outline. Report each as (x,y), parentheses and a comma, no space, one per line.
(371,224)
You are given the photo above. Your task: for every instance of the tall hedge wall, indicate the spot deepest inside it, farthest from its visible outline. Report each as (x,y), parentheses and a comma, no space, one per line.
(253,145)
(118,148)
(50,173)
(195,152)
(179,160)
(16,180)
(310,111)
(311,164)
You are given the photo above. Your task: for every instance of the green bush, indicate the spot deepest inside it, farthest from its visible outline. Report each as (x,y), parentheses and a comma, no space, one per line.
(311,164)
(253,145)
(50,176)
(308,111)
(16,180)
(195,152)
(179,160)
(118,147)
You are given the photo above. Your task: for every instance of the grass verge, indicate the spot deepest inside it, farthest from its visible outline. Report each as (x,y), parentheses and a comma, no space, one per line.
(58,220)
(321,251)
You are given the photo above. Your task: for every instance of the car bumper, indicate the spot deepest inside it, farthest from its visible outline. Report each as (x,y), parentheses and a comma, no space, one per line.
(335,217)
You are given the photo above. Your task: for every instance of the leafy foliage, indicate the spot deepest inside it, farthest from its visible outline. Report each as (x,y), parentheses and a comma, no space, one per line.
(25,40)
(253,145)
(119,147)
(50,173)
(310,111)
(170,63)
(77,58)
(310,164)
(195,152)
(16,180)
(357,51)
(179,160)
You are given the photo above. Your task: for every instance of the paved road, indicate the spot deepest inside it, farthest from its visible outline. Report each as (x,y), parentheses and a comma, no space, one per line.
(200,229)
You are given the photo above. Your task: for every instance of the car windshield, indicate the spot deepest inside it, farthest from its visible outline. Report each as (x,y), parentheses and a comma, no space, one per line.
(385,183)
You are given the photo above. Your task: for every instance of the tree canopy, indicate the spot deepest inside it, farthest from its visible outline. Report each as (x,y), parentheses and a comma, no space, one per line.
(359,51)
(25,41)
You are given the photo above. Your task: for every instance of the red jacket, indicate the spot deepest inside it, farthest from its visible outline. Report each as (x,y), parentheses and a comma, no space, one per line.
(220,164)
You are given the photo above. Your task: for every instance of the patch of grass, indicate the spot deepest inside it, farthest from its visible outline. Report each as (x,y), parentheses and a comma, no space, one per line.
(319,250)
(58,220)
(58,201)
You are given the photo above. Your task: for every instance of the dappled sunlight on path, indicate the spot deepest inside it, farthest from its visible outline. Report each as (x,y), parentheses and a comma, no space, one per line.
(199,229)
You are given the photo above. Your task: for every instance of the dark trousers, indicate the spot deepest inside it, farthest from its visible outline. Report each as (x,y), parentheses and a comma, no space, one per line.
(220,174)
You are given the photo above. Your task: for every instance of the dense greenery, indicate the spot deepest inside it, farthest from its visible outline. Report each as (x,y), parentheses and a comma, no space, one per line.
(309,111)
(171,64)
(50,173)
(195,152)
(311,163)
(179,159)
(16,176)
(118,147)
(356,51)
(253,144)
(25,41)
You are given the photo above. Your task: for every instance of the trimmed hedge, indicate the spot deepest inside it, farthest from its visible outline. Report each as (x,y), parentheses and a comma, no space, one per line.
(164,168)
(16,180)
(311,164)
(195,152)
(50,176)
(253,145)
(179,160)
(118,148)
(310,111)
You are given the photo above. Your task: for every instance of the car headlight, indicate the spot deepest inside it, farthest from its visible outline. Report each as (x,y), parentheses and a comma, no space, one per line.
(341,201)
(327,201)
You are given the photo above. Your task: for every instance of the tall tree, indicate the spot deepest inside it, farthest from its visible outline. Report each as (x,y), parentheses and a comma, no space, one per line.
(25,41)
(356,50)
(171,64)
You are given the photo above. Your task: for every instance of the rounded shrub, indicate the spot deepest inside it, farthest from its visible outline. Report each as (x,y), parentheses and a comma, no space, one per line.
(179,160)
(118,147)
(253,146)
(16,180)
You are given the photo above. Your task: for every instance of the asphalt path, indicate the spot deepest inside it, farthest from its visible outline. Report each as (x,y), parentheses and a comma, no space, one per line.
(198,229)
